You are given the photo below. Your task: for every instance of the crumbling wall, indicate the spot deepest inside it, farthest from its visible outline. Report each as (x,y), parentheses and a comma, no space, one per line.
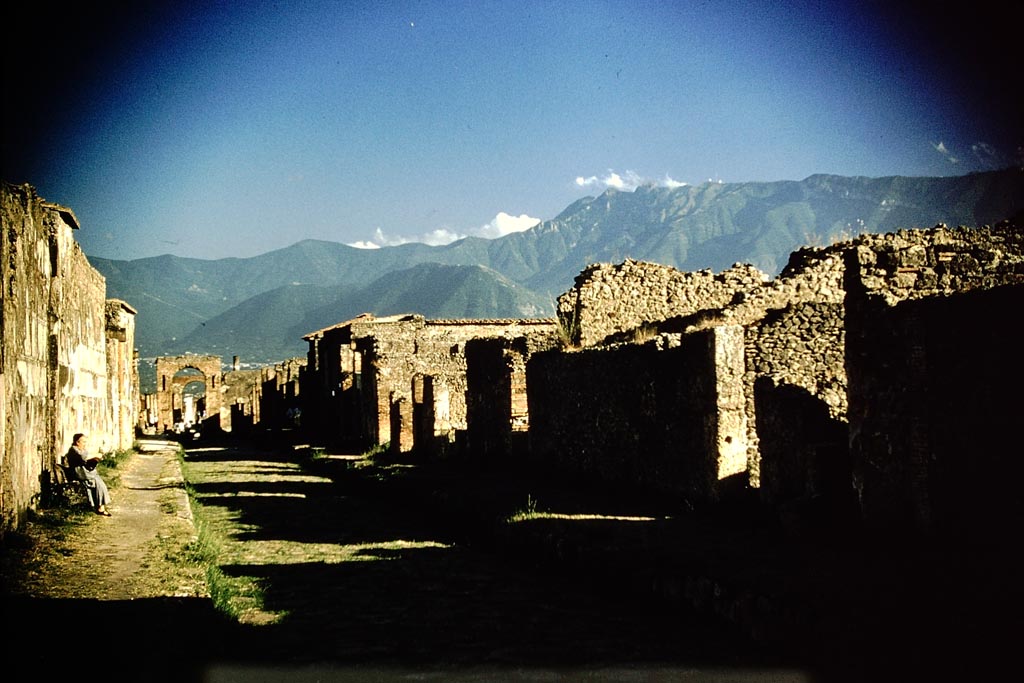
(279,395)
(793,339)
(403,376)
(423,362)
(497,405)
(795,348)
(123,399)
(669,420)
(240,400)
(610,300)
(54,354)
(934,375)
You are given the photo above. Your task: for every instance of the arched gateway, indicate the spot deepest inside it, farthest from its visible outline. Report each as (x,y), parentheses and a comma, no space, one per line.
(171,382)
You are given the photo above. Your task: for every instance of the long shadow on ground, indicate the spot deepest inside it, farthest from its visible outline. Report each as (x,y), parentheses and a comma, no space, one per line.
(366,577)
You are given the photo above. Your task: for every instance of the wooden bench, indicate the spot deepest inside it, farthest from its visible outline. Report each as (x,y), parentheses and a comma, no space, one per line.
(68,490)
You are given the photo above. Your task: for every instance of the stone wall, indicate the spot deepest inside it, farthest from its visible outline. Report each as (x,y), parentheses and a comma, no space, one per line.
(57,342)
(240,400)
(794,329)
(933,357)
(497,405)
(880,381)
(123,397)
(793,341)
(609,300)
(280,394)
(670,420)
(398,380)
(422,364)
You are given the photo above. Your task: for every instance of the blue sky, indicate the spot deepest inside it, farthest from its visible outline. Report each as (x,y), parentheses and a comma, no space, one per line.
(217,129)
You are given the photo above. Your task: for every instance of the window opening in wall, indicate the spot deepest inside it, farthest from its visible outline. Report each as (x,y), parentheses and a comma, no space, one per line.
(54,256)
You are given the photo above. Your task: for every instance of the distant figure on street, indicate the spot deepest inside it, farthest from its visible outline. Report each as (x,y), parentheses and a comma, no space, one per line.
(84,467)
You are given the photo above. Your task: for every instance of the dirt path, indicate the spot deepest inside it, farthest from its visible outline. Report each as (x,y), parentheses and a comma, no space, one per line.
(129,555)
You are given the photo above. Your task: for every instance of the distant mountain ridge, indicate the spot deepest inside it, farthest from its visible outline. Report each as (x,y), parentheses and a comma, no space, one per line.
(258,308)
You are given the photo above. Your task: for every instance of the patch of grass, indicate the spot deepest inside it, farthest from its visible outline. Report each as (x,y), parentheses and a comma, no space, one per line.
(233,596)
(379,452)
(110,466)
(310,455)
(527,512)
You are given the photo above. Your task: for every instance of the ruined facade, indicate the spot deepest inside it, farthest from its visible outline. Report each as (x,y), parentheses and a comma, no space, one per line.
(666,419)
(790,344)
(497,403)
(399,380)
(280,395)
(877,373)
(234,400)
(609,300)
(935,370)
(67,362)
(173,374)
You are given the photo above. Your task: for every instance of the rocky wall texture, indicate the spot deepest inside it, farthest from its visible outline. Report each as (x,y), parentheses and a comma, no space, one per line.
(610,300)
(404,377)
(55,352)
(933,358)
(497,405)
(29,425)
(664,419)
(794,329)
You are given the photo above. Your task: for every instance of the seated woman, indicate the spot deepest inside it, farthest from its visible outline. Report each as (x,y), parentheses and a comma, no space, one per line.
(84,466)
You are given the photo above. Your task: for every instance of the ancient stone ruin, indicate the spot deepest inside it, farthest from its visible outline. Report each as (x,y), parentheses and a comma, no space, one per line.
(872,383)
(67,360)
(398,380)
(865,375)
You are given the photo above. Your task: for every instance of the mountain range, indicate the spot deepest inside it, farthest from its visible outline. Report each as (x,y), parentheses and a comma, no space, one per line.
(259,308)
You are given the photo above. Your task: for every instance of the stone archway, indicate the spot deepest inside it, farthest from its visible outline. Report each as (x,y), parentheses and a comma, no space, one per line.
(170,385)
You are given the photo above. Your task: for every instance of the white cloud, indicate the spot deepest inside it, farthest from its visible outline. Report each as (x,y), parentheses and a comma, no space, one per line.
(991,158)
(628,181)
(502,224)
(505,224)
(941,148)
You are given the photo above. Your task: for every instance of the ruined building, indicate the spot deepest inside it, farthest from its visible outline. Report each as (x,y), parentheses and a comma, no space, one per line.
(233,400)
(934,364)
(67,360)
(876,373)
(397,380)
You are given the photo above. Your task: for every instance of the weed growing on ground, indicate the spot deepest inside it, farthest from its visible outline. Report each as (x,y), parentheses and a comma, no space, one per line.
(232,595)
(524,513)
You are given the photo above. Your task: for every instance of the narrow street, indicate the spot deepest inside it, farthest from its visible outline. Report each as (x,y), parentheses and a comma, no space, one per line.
(359,578)
(360,569)
(356,586)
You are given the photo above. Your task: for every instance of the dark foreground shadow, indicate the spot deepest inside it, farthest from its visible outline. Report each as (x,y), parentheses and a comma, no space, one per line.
(383,577)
